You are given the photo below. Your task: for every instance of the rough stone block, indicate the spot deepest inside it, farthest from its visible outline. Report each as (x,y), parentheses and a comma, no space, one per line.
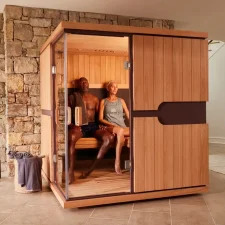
(28,127)
(10,124)
(51,13)
(167,24)
(82,14)
(141,23)
(40,40)
(34,90)
(25,65)
(64,15)
(9,30)
(88,20)
(25,18)
(23,32)
(2,76)
(22,98)
(2,89)
(2,109)
(31,79)
(13,12)
(28,139)
(74,16)
(11,98)
(15,139)
(2,64)
(56,22)
(2,140)
(3,154)
(111,17)
(34,111)
(2,49)
(18,126)
(157,24)
(9,65)
(21,22)
(42,31)
(17,110)
(23,119)
(35,101)
(15,83)
(36,22)
(32,53)
(37,119)
(14,48)
(123,20)
(3,122)
(105,21)
(29,45)
(33,12)
(95,16)
(35,149)
(37,128)
(23,148)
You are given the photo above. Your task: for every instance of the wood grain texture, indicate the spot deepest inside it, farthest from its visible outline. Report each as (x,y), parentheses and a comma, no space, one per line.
(46,146)
(46,79)
(158,72)
(168,81)
(144,154)
(195,69)
(138,71)
(177,69)
(97,69)
(178,156)
(204,96)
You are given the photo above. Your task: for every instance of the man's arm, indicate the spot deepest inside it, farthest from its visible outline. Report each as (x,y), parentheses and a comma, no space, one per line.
(125,108)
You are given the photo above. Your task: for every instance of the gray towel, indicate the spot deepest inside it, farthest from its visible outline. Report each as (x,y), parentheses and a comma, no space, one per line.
(29,173)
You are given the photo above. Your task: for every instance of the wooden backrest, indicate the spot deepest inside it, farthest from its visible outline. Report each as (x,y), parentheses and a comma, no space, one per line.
(102,93)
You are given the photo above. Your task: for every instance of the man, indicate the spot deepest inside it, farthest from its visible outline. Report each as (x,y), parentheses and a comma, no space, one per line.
(89,104)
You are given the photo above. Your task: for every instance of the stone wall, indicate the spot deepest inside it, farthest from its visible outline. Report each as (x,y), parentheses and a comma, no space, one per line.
(2,94)
(26,29)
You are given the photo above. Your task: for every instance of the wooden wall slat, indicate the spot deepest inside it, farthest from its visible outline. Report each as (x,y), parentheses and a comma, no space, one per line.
(196,73)
(148,79)
(196,156)
(187,155)
(178,156)
(159,155)
(187,89)
(46,78)
(144,175)
(204,71)
(158,72)
(168,151)
(139,154)
(138,82)
(168,70)
(46,146)
(205,154)
(177,69)
(98,69)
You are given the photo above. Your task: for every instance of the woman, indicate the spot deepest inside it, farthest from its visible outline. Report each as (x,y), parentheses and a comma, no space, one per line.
(111,114)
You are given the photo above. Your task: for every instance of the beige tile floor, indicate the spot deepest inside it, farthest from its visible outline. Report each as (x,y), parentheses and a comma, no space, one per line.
(43,208)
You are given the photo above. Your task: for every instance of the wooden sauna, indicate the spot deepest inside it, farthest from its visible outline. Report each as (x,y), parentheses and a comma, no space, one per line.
(163,77)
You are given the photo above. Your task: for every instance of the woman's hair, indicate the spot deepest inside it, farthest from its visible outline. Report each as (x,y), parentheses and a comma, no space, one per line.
(109,83)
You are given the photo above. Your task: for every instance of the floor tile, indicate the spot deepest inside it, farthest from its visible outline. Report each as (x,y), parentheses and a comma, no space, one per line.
(161,205)
(188,200)
(69,216)
(29,215)
(95,221)
(149,218)
(118,211)
(3,216)
(191,218)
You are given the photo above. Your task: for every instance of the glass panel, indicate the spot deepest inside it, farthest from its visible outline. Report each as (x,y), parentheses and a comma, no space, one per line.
(99,59)
(60,101)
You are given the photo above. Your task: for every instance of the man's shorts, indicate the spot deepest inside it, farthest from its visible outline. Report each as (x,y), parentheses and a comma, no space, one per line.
(89,129)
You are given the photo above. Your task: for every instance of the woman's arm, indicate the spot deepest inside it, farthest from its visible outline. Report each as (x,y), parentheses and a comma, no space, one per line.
(125,108)
(101,117)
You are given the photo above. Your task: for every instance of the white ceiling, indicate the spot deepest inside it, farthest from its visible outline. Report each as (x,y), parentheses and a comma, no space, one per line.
(200,15)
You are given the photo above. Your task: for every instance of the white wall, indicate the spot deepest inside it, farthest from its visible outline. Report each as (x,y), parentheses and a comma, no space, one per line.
(216,104)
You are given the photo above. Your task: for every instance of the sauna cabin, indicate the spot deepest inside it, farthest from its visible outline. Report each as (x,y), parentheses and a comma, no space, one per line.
(163,77)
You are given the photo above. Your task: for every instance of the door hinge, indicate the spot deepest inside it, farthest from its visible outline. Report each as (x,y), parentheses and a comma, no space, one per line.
(53,70)
(127,65)
(127,165)
(54,158)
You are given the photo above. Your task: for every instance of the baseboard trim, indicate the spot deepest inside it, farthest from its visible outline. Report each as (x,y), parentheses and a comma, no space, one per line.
(217,140)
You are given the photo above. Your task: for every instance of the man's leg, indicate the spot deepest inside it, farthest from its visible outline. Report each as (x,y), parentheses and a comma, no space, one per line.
(74,135)
(107,140)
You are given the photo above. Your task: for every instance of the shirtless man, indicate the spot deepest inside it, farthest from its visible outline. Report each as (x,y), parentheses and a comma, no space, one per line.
(91,103)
